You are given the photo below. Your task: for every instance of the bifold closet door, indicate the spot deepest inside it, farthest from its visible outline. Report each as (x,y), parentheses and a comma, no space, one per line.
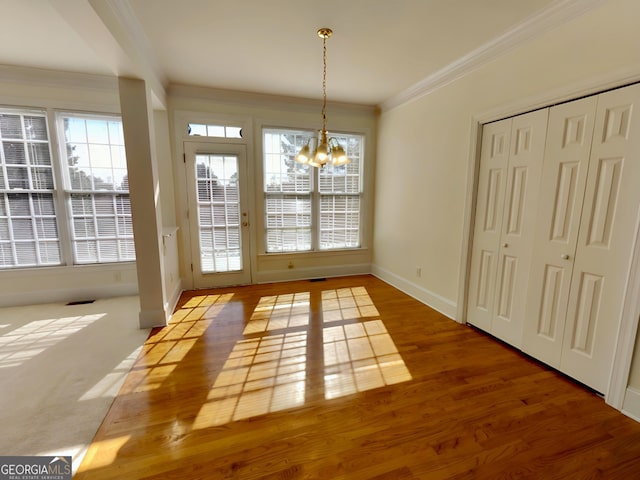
(590,197)
(494,158)
(526,152)
(510,168)
(561,193)
(605,240)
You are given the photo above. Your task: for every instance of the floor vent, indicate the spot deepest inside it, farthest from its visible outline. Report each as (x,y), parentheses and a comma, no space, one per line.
(81,302)
(318,280)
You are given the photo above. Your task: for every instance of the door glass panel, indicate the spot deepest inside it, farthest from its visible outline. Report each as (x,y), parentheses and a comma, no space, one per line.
(218,213)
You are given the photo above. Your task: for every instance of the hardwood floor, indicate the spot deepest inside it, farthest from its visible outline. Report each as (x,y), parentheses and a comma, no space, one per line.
(347,378)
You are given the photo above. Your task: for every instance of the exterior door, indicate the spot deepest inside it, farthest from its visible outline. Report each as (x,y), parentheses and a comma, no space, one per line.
(561,194)
(218,214)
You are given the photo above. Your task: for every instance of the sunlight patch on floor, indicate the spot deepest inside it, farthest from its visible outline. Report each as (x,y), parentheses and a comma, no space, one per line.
(22,344)
(267,373)
(109,385)
(279,312)
(261,375)
(168,346)
(359,357)
(347,304)
(108,451)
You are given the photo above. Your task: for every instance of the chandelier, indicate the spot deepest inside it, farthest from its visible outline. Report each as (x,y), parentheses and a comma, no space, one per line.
(325,150)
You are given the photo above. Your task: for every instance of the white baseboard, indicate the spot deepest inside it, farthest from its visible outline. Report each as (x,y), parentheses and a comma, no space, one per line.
(60,295)
(172,301)
(429,298)
(153,318)
(631,404)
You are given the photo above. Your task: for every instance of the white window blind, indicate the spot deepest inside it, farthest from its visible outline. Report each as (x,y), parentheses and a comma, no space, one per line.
(340,191)
(98,189)
(287,187)
(28,227)
(219,213)
(306,208)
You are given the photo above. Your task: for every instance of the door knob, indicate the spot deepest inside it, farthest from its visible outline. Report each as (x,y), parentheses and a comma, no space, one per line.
(564,256)
(505,245)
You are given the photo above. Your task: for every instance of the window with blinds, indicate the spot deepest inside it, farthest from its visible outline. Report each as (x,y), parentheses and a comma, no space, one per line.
(308,209)
(63,207)
(97,189)
(28,227)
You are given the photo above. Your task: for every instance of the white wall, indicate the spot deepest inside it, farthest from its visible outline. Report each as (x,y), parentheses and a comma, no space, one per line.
(426,156)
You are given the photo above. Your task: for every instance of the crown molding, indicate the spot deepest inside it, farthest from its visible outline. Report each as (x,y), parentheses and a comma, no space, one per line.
(41,77)
(555,14)
(566,93)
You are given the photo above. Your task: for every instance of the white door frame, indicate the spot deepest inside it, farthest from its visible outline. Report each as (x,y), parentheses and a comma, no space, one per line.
(181,121)
(623,353)
(219,279)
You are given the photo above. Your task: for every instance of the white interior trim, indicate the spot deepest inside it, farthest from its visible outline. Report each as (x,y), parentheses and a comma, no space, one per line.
(623,354)
(429,298)
(550,17)
(473,166)
(41,77)
(573,91)
(180,121)
(631,406)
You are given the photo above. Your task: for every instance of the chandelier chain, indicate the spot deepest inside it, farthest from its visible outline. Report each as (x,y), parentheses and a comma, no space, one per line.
(324,83)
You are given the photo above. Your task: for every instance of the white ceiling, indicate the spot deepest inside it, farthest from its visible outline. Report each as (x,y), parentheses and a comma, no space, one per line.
(379,48)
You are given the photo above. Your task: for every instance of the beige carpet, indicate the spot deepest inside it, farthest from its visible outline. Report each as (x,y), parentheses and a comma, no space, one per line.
(61,366)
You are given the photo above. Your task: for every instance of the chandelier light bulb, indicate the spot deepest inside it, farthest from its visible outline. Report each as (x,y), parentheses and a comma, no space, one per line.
(303,155)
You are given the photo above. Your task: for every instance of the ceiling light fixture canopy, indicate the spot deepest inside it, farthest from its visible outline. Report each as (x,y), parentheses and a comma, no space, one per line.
(327,149)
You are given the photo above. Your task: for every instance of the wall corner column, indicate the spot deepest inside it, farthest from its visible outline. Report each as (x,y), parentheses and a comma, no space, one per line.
(137,121)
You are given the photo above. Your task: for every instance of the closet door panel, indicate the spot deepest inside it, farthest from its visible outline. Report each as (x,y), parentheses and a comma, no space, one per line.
(601,268)
(561,193)
(528,133)
(488,222)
